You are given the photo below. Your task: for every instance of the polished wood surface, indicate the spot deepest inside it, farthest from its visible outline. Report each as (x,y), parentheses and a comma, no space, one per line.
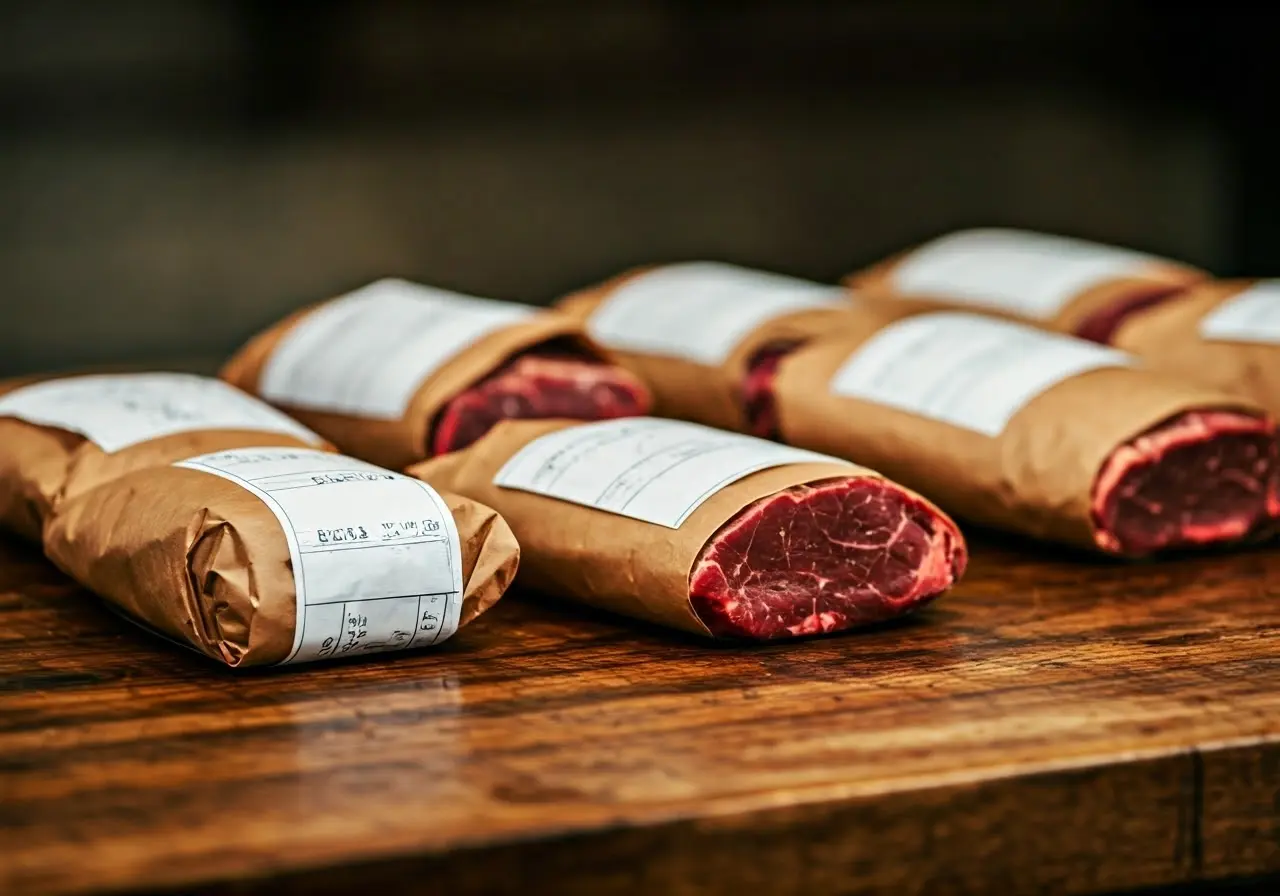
(1075,727)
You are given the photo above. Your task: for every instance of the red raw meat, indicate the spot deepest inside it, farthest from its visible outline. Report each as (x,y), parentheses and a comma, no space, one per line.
(1202,478)
(1101,326)
(539,385)
(758,402)
(824,557)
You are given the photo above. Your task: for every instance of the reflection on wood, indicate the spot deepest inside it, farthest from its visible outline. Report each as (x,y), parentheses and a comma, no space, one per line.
(1070,727)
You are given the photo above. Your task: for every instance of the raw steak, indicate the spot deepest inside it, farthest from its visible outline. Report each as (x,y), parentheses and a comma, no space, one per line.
(824,557)
(1101,326)
(539,384)
(758,401)
(1202,478)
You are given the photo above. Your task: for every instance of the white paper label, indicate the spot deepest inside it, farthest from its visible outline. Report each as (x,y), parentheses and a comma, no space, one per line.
(1250,316)
(376,560)
(116,411)
(968,370)
(658,471)
(700,311)
(1029,274)
(368,352)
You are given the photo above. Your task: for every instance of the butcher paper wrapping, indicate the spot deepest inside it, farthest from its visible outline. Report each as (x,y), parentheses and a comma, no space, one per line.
(204,561)
(689,389)
(1224,334)
(33,465)
(618,563)
(399,437)
(1035,476)
(1025,286)
(47,455)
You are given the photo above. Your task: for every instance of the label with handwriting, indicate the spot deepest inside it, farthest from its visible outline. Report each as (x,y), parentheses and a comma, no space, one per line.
(1249,316)
(115,411)
(1028,274)
(968,370)
(367,352)
(700,311)
(376,560)
(658,471)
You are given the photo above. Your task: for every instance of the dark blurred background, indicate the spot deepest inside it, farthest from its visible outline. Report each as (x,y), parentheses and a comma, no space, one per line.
(175,174)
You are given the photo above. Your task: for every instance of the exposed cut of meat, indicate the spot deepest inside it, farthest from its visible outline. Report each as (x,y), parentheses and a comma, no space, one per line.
(1101,326)
(539,384)
(758,402)
(1202,478)
(824,557)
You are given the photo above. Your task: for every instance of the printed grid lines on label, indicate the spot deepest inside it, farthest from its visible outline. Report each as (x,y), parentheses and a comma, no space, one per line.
(368,352)
(629,484)
(657,471)
(964,369)
(1249,316)
(376,558)
(701,311)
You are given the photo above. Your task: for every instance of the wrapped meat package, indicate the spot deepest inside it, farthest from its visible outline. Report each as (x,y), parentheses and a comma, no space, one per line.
(1061,284)
(191,506)
(268,555)
(704,335)
(1036,432)
(1224,334)
(396,372)
(63,436)
(706,531)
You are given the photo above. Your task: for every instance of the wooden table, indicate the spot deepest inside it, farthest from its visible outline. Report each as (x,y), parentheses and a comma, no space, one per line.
(1073,727)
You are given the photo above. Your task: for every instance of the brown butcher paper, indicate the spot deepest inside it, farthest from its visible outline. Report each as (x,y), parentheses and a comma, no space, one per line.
(602,559)
(688,390)
(41,465)
(205,562)
(1158,278)
(1168,338)
(397,443)
(1036,477)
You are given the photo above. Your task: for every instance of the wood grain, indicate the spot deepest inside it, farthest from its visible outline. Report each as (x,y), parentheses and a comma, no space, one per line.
(1078,727)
